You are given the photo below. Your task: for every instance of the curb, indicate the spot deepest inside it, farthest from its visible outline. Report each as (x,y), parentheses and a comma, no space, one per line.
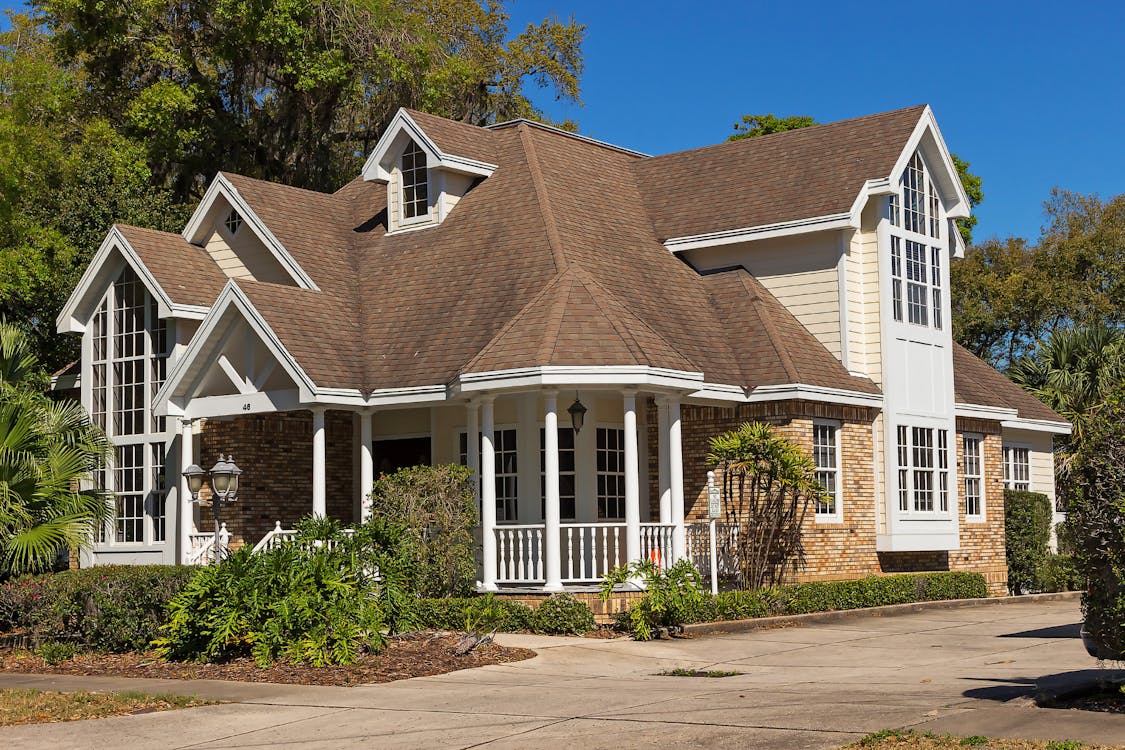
(890,610)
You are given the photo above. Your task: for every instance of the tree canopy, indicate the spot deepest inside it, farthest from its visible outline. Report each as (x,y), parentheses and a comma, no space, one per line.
(752,126)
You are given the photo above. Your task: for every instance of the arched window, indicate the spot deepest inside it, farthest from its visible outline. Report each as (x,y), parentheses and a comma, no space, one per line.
(415,182)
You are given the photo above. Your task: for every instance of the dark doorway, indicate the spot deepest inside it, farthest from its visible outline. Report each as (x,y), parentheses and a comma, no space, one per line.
(391,455)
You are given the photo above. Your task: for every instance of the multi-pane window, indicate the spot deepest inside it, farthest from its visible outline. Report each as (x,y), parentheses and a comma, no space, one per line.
(974,476)
(507,488)
(611,473)
(566,472)
(916,267)
(129,346)
(826,455)
(233,222)
(923,469)
(1017,468)
(415,182)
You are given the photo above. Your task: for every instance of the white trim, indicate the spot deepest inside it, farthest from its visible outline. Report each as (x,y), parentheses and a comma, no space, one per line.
(927,122)
(221,186)
(761,232)
(814,393)
(837,516)
(558,375)
(374,171)
(1006,446)
(977,411)
(982,516)
(1037,425)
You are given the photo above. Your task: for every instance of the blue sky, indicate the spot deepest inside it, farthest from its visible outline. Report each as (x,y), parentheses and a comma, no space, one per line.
(1031,93)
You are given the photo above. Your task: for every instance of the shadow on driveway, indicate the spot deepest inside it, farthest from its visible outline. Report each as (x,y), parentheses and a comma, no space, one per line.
(1058,631)
(1050,684)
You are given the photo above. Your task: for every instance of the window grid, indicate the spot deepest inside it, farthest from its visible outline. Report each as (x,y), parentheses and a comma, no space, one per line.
(826,455)
(913,196)
(233,222)
(507,486)
(922,444)
(923,469)
(129,354)
(159,490)
(415,186)
(903,470)
(917,306)
(129,470)
(611,473)
(896,275)
(943,470)
(1017,468)
(567,487)
(917,211)
(974,478)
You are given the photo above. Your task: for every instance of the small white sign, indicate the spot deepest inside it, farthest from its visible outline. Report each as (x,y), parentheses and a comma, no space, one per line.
(714,503)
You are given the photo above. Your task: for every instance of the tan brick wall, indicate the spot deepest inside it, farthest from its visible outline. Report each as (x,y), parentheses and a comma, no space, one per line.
(982,544)
(604,611)
(275,453)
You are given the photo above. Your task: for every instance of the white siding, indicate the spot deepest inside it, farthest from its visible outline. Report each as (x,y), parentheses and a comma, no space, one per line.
(1042,455)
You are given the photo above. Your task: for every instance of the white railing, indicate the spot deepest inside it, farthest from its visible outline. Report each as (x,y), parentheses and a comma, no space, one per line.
(726,543)
(656,543)
(519,554)
(590,550)
(201,546)
(278,536)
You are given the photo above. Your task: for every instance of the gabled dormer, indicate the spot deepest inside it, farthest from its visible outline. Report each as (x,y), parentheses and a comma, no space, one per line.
(427,171)
(227,227)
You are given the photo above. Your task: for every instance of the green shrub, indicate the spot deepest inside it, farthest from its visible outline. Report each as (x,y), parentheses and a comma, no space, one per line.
(475,613)
(562,614)
(114,608)
(672,597)
(323,598)
(436,504)
(56,652)
(1059,573)
(1027,531)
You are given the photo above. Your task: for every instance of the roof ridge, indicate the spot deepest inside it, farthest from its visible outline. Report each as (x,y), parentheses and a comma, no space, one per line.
(274,184)
(508,326)
(803,132)
(566,134)
(556,315)
(758,303)
(554,239)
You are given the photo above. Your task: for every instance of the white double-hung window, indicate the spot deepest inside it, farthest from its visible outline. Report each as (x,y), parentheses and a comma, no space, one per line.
(972,447)
(1017,467)
(923,470)
(916,238)
(826,456)
(415,187)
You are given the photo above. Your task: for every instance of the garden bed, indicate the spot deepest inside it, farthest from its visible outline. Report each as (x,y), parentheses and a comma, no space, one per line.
(1107,699)
(406,656)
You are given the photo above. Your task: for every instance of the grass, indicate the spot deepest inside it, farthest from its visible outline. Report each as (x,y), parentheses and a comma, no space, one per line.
(892,739)
(44,706)
(682,672)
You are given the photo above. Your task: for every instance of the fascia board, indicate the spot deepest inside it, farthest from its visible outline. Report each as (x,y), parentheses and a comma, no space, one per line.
(114,240)
(232,295)
(978,411)
(567,376)
(222,187)
(928,123)
(373,170)
(763,232)
(1037,425)
(803,392)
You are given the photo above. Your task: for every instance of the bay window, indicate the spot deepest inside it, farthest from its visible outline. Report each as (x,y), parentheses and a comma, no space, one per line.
(923,469)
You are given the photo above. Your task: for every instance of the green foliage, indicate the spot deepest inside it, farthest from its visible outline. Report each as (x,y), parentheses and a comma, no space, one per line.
(769,482)
(975,741)
(828,596)
(1059,573)
(562,614)
(324,597)
(684,672)
(46,449)
(474,614)
(114,608)
(1027,531)
(752,126)
(56,652)
(1094,495)
(436,504)
(671,597)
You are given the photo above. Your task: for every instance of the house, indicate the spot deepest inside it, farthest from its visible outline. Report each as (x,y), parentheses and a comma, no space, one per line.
(502,282)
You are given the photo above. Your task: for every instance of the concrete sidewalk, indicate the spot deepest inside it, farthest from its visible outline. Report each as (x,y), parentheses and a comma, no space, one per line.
(818,686)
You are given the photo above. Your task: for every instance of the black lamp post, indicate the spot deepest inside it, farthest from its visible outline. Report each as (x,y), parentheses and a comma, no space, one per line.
(224,487)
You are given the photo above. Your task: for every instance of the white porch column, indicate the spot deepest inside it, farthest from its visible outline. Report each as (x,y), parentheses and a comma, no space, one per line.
(552,532)
(366,463)
(472,446)
(664,482)
(488,495)
(319,492)
(632,481)
(187,511)
(676,478)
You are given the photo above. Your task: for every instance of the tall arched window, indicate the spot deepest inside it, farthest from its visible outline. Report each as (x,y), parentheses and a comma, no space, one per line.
(917,225)
(415,182)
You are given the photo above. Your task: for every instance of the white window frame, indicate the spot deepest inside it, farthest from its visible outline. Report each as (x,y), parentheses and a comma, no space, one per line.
(907,474)
(562,473)
(932,239)
(617,475)
(837,513)
(976,476)
(1010,481)
(425,216)
(502,501)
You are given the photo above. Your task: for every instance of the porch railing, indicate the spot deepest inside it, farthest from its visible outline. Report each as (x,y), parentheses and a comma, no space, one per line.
(698,536)
(278,536)
(201,546)
(588,550)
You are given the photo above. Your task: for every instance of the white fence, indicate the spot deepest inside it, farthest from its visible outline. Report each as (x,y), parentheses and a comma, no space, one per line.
(726,543)
(201,546)
(588,550)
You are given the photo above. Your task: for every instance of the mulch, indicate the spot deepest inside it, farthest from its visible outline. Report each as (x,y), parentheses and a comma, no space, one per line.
(406,656)
(1107,700)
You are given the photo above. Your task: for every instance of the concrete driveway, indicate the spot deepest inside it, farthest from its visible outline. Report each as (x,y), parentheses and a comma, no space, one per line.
(818,686)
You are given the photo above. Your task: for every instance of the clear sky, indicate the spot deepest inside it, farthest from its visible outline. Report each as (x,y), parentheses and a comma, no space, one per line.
(1031,93)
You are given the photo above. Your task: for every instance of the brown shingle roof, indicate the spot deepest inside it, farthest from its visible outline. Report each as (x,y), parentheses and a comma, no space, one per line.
(977,382)
(798,174)
(185,272)
(456,138)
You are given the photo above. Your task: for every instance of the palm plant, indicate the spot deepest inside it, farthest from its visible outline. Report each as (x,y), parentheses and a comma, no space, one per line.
(47,449)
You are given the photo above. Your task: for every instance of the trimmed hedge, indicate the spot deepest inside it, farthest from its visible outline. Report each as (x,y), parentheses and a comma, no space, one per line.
(114,608)
(559,614)
(827,596)
(1027,531)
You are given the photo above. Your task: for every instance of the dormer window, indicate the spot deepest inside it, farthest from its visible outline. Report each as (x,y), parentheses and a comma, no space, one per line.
(233,222)
(415,183)
(917,227)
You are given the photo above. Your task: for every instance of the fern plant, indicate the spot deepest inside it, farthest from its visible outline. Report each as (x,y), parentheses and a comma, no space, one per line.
(671,596)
